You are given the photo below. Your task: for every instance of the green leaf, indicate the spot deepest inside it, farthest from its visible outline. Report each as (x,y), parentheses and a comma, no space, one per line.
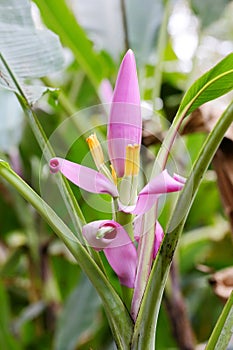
(203,212)
(62,21)
(196,245)
(214,83)
(10,266)
(7,340)
(28,52)
(79,316)
(222,332)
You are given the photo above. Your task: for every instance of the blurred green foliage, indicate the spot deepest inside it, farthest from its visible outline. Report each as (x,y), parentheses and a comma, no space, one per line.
(45,301)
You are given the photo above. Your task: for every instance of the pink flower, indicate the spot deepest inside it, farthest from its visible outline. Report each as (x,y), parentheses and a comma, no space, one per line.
(109,236)
(124,139)
(120,251)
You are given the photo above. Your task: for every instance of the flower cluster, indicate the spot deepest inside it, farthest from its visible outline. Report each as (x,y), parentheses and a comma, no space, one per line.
(124,139)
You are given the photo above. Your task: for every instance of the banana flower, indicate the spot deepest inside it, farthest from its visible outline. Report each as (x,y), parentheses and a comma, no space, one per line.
(124,139)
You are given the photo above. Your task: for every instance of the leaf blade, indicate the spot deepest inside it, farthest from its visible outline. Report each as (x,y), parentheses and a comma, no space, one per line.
(78,316)
(29,52)
(209,86)
(61,20)
(222,332)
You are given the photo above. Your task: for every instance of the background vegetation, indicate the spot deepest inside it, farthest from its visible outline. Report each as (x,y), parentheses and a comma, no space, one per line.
(45,300)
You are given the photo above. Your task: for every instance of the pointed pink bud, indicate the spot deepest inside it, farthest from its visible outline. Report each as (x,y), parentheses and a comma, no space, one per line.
(125,122)
(86,178)
(163,183)
(117,246)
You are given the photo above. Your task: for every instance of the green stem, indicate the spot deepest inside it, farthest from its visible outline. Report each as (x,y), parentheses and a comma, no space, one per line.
(114,208)
(125,220)
(127,295)
(146,241)
(145,251)
(222,332)
(17,85)
(162,42)
(119,319)
(144,331)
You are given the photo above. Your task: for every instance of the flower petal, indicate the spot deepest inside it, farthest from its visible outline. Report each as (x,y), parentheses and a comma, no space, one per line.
(179,178)
(118,248)
(123,261)
(159,234)
(163,183)
(125,122)
(86,178)
(116,238)
(138,227)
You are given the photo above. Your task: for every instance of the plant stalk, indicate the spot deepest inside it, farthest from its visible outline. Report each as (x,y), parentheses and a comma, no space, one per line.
(222,332)
(144,331)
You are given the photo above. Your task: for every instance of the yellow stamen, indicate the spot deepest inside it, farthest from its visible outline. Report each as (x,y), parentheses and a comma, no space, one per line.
(129,160)
(136,160)
(96,150)
(114,175)
(132,160)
